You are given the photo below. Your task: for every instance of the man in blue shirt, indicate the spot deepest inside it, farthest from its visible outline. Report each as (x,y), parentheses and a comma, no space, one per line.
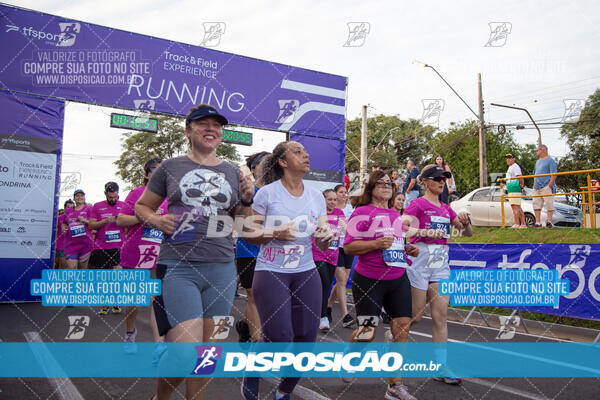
(411,187)
(544,185)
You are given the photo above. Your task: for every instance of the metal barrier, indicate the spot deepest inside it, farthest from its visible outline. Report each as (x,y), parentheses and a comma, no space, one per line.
(586,190)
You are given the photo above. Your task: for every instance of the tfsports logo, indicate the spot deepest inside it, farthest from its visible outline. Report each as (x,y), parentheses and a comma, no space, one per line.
(66,37)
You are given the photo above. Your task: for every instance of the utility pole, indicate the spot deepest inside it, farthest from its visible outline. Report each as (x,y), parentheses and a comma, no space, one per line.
(363,146)
(482,147)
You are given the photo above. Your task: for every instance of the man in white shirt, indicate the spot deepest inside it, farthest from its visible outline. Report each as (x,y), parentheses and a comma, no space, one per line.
(515,187)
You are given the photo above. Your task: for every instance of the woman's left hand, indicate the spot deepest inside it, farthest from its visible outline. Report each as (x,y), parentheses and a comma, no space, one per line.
(412,250)
(463,217)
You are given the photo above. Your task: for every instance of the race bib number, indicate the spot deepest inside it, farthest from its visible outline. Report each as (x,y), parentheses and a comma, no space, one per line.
(77,230)
(112,236)
(395,255)
(441,223)
(152,235)
(438,256)
(335,243)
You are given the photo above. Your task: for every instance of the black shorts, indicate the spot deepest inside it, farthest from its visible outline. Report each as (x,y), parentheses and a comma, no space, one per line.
(345,260)
(370,294)
(245,269)
(162,322)
(103,259)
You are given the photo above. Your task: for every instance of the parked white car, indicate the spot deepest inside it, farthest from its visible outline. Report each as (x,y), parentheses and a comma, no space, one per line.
(483,205)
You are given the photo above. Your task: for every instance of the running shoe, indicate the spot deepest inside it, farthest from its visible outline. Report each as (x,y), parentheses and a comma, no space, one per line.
(243,330)
(450,380)
(250,388)
(549,224)
(103,311)
(130,345)
(329,317)
(116,310)
(159,349)
(398,391)
(537,226)
(347,321)
(324,324)
(522,226)
(515,226)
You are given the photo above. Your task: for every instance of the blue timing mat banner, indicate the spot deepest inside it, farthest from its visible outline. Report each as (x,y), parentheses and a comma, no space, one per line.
(319,360)
(579,264)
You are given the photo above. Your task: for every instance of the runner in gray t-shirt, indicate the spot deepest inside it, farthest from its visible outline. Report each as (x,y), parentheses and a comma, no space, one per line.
(200,280)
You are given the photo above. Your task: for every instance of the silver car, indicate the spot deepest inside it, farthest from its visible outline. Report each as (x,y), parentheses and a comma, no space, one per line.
(483,205)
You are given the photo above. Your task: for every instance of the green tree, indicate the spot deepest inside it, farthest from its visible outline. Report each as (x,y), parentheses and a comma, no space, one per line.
(391,141)
(583,138)
(459,145)
(168,142)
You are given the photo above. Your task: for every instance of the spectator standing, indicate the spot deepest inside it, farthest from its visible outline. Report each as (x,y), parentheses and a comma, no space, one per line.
(448,187)
(411,187)
(544,185)
(514,188)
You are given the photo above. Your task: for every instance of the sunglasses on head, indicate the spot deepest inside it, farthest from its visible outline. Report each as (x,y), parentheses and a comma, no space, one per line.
(438,178)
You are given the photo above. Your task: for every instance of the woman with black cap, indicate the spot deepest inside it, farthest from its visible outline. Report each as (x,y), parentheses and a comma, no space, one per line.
(200,279)
(428,221)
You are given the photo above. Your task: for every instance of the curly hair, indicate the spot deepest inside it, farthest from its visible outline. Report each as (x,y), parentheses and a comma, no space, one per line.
(269,169)
(367,195)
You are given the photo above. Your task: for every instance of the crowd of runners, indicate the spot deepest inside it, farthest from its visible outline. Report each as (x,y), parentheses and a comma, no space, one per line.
(294,243)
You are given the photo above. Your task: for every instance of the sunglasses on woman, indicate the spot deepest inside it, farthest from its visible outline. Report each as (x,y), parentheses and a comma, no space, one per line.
(438,178)
(384,184)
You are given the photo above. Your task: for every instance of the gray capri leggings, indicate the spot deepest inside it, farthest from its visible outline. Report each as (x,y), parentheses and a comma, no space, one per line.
(289,306)
(199,290)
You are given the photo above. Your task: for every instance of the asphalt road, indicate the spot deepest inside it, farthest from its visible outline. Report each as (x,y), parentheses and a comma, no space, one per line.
(50,324)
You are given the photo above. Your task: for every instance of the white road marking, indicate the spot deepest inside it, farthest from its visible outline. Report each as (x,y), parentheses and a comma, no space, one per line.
(62,386)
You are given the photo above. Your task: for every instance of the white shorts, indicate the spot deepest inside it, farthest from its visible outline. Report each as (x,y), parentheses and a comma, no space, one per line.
(430,266)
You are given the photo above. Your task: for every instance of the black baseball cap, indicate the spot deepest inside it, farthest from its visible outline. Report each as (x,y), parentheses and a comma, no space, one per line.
(111,187)
(75,193)
(204,112)
(509,155)
(435,172)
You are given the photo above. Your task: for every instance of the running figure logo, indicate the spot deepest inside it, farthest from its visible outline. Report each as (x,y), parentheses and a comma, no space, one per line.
(207,359)
(185,225)
(77,325)
(357,34)
(287,111)
(144,104)
(68,182)
(573,109)
(432,109)
(68,33)
(222,325)
(212,33)
(292,256)
(148,253)
(579,254)
(366,327)
(508,327)
(499,32)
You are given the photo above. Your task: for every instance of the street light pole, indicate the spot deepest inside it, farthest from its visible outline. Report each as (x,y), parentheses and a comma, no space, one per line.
(530,117)
(482,145)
